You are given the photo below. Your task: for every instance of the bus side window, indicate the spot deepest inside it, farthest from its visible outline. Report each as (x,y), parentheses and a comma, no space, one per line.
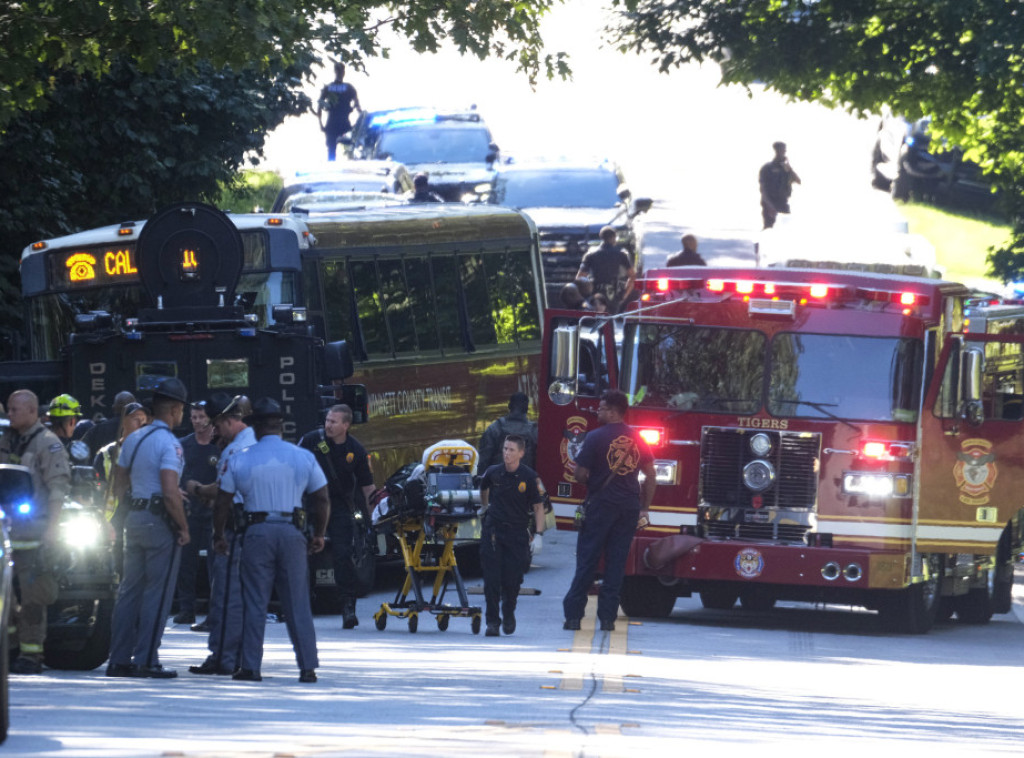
(370,307)
(337,308)
(446,290)
(397,306)
(478,302)
(512,297)
(421,303)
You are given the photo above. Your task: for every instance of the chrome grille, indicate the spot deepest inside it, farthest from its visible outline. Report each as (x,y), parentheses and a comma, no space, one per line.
(784,512)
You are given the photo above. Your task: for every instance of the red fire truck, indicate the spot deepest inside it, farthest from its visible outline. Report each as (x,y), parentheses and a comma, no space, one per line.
(820,435)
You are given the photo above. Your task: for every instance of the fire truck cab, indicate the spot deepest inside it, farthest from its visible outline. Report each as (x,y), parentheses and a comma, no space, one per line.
(826,436)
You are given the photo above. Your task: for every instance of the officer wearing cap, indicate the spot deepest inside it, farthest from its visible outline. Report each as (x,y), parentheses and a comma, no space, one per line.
(271,478)
(102,434)
(28,443)
(150,464)
(224,619)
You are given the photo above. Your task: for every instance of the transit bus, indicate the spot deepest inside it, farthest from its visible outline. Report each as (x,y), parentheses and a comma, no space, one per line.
(438,305)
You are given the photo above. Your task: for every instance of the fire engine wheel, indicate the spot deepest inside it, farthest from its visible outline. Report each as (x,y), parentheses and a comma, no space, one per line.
(646,596)
(718,599)
(914,609)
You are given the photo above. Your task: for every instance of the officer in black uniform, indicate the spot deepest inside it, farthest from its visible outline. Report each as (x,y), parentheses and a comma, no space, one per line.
(508,492)
(346,464)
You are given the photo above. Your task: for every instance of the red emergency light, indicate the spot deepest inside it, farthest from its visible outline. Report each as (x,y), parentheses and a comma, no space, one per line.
(652,435)
(882,450)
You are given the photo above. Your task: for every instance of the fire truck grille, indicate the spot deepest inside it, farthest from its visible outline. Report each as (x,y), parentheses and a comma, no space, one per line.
(794,456)
(786,533)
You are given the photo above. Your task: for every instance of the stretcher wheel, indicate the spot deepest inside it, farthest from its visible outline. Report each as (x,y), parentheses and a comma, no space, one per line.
(442,623)
(414,623)
(476,624)
(381,621)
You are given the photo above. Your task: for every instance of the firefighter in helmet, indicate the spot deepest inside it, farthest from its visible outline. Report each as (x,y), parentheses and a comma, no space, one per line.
(64,413)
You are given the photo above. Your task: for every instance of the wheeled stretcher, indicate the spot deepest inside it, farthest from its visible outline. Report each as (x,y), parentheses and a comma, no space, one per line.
(424,514)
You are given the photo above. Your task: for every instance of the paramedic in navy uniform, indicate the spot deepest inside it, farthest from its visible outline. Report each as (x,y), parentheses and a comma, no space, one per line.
(509,492)
(609,464)
(271,477)
(151,461)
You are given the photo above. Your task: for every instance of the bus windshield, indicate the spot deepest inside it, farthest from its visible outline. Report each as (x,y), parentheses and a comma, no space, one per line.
(718,370)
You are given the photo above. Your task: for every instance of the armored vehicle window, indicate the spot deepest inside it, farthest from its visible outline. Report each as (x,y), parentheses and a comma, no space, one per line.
(254,251)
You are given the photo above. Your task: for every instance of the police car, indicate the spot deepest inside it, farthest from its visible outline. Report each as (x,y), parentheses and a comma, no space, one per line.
(455,148)
(350,184)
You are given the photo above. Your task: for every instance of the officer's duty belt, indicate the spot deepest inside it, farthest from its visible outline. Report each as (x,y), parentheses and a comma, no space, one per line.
(270,517)
(139,503)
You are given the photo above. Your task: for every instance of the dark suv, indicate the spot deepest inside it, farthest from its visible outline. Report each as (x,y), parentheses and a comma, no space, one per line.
(907,162)
(569,203)
(455,149)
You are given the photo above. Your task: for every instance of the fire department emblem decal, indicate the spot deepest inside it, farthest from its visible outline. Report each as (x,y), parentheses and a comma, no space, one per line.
(572,440)
(975,471)
(749,563)
(623,455)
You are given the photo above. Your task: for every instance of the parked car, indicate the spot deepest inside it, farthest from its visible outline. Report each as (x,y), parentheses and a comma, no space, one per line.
(454,148)
(570,202)
(333,201)
(387,177)
(906,161)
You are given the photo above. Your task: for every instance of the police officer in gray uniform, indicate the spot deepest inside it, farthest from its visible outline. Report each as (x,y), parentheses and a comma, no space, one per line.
(271,477)
(224,620)
(150,464)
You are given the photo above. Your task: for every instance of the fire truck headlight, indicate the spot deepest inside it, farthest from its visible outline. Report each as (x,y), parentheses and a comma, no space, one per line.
(758,475)
(760,444)
(872,485)
(665,472)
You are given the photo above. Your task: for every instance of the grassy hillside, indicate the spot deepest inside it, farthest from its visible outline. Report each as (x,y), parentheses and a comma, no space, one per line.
(255,189)
(961,241)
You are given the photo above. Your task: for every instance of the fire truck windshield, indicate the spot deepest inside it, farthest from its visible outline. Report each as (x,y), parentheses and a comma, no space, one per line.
(717,370)
(694,368)
(861,378)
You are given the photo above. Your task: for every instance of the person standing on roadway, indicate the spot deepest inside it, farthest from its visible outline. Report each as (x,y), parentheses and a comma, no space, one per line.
(28,443)
(339,99)
(509,493)
(609,464)
(224,620)
(201,456)
(150,465)
(271,478)
(346,464)
(515,422)
(133,418)
(776,179)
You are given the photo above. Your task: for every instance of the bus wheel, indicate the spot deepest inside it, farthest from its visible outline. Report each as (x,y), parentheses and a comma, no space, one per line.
(718,599)
(756,601)
(976,606)
(914,609)
(646,596)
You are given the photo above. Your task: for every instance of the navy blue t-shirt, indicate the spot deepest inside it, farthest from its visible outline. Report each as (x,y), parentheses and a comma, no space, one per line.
(618,449)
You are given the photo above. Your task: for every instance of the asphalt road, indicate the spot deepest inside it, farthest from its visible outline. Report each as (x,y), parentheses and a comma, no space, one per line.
(799,679)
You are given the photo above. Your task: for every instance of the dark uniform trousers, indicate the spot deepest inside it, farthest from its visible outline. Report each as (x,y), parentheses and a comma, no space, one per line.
(607,530)
(38,589)
(504,557)
(225,615)
(151,557)
(275,555)
(340,531)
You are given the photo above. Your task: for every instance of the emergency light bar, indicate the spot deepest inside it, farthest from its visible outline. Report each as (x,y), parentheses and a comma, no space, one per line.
(802,292)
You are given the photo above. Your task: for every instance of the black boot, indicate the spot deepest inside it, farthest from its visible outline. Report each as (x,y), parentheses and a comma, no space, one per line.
(348,613)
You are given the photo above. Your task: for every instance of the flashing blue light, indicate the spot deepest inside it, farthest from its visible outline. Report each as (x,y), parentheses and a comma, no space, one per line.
(24,508)
(247,331)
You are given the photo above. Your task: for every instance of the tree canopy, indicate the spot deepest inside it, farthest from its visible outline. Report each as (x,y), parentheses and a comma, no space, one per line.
(959,61)
(110,109)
